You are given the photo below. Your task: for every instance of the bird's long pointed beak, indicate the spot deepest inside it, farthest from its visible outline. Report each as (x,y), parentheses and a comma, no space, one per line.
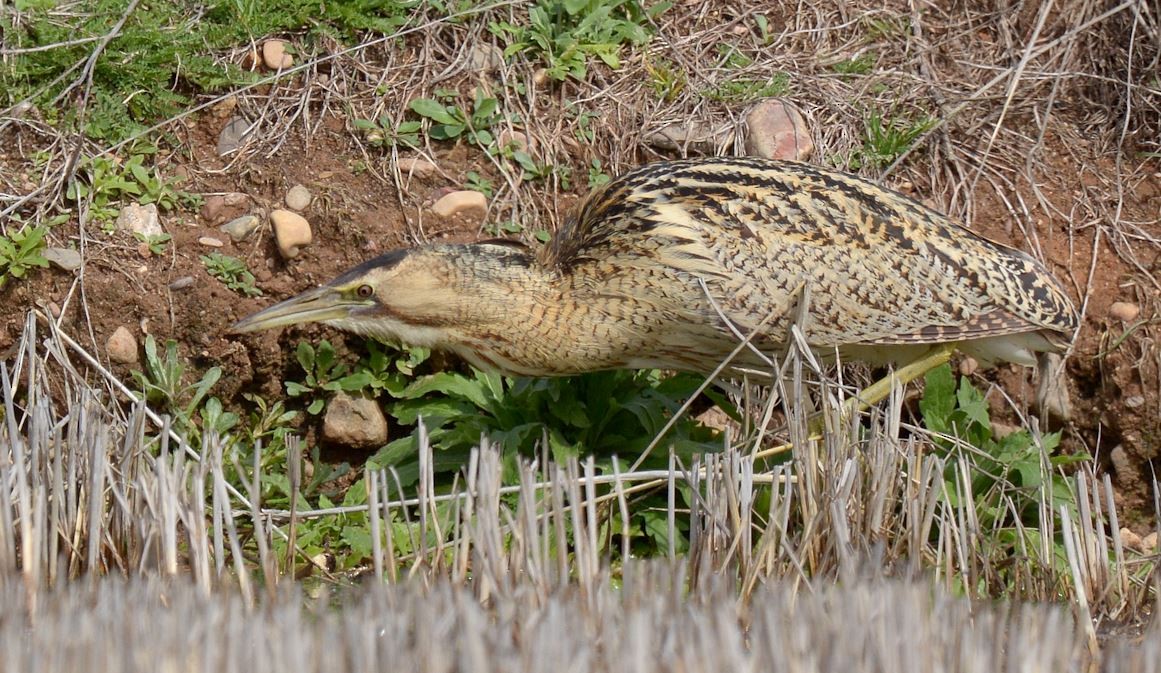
(318,305)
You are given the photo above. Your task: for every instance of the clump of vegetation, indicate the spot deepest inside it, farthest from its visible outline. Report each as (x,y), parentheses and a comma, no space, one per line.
(886,140)
(566,34)
(110,183)
(231,271)
(449,122)
(20,251)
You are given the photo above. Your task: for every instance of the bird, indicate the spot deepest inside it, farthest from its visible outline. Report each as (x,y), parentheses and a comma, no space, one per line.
(674,263)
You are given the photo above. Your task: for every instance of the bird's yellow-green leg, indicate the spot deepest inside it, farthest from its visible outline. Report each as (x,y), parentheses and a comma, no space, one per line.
(880,389)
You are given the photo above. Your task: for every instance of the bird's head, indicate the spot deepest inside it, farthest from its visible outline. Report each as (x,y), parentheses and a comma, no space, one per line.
(424,296)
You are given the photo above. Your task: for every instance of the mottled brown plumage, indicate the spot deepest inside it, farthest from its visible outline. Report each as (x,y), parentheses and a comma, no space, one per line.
(644,272)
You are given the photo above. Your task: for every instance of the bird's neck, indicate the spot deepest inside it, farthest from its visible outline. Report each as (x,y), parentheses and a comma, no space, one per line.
(522,317)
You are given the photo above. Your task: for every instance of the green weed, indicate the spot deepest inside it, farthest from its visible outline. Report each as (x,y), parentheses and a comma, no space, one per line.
(231,271)
(163,386)
(156,243)
(384,132)
(860,65)
(743,90)
(886,140)
(20,251)
(667,79)
(449,122)
(479,183)
(597,174)
(565,34)
(110,184)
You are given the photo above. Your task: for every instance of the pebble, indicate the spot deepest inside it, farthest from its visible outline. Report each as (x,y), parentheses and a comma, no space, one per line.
(1131,540)
(140,219)
(63,258)
(693,136)
(519,139)
(291,231)
(776,129)
(1124,311)
(232,134)
(466,202)
(356,422)
(1149,542)
(298,198)
(1135,401)
(968,366)
(182,283)
(121,346)
(420,168)
(240,227)
(540,77)
(211,241)
(485,57)
(251,60)
(222,207)
(274,55)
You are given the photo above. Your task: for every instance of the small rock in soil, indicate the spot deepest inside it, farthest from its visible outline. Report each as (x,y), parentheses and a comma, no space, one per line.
(274,55)
(1149,543)
(356,422)
(222,207)
(210,241)
(420,168)
(485,57)
(465,203)
(121,346)
(291,231)
(182,283)
(140,219)
(519,139)
(1134,401)
(232,134)
(968,366)
(240,227)
(1001,430)
(1124,311)
(775,129)
(298,198)
(694,136)
(1131,540)
(63,258)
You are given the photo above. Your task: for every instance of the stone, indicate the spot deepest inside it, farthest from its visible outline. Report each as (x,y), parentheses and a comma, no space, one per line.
(220,208)
(1122,463)
(776,129)
(140,219)
(291,232)
(1052,390)
(274,55)
(210,241)
(1134,401)
(63,258)
(968,366)
(693,136)
(232,134)
(1131,540)
(420,168)
(356,422)
(485,57)
(298,198)
(464,203)
(1149,543)
(182,283)
(121,346)
(240,227)
(1124,311)
(517,139)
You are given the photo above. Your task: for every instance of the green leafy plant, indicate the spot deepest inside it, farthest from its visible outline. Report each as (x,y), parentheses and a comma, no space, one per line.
(604,413)
(667,79)
(382,370)
(565,34)
(742,89)
(384,132)
(21,251)
(231,271)
(886,140)
(862,64)
(477,182)
(111,183)
(449,122)
(155,243)
(163,385)
(1011,475)
(597,174)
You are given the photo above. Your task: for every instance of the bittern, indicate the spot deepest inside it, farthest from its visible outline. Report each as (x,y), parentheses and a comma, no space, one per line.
(667,265)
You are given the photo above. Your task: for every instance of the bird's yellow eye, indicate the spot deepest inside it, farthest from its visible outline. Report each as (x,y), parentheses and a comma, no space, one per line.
(364,291)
